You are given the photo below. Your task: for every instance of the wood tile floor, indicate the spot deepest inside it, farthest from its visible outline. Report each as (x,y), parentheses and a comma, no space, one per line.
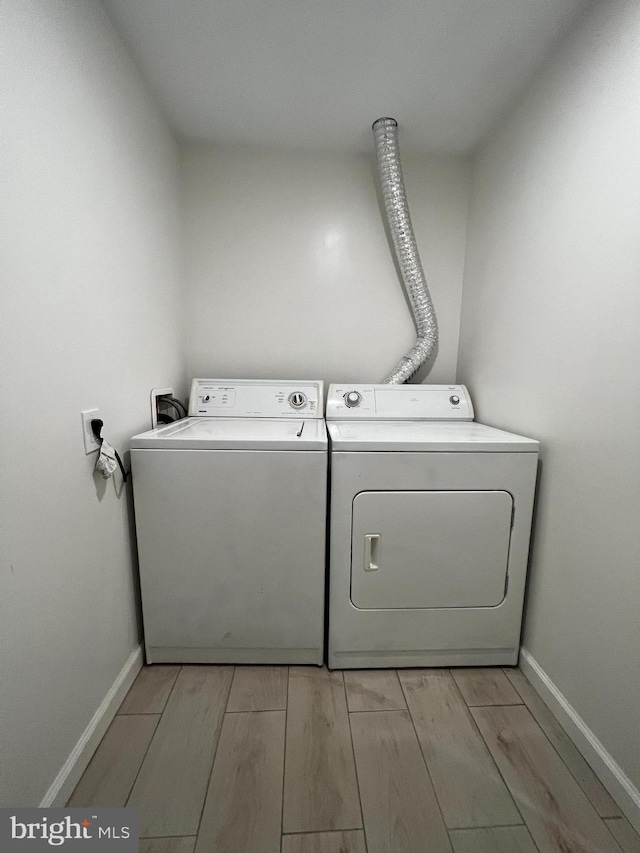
(302,760)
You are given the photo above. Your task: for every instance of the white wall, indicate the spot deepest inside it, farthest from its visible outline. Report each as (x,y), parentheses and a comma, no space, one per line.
(550,348)
(289,273)
(91,316)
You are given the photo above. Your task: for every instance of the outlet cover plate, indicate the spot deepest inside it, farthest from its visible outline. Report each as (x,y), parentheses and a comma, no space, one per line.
(91,444)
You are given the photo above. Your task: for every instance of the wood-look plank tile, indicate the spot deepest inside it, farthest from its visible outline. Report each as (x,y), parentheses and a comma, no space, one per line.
(557,812)
(624,833)
(259,688)
(108,779)
(172,783)
(485,686)
(150,691)
(399,806)
(243,809)
(500,839)
(564,746)
(470,790)
(348,841)
(373,690)
(320,788)
(168,845)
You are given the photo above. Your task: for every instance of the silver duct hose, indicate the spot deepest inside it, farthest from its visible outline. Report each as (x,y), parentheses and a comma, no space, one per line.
(385,134)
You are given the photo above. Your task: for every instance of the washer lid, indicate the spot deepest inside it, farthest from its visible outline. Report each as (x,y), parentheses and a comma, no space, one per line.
(235,434)
(424,436)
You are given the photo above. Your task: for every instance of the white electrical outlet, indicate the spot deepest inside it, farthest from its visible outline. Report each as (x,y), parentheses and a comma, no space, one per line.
(91,443)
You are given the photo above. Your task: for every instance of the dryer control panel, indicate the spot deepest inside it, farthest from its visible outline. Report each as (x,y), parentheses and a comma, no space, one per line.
(256,398)
(353,402)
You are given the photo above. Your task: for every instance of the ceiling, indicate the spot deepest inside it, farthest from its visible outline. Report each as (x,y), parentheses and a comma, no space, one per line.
(314,74)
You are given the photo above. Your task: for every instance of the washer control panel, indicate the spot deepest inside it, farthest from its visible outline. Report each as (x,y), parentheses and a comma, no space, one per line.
(256,398)
(399,402)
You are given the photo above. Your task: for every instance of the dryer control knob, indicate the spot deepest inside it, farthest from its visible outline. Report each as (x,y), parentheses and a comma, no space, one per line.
(353,399)
(454,400)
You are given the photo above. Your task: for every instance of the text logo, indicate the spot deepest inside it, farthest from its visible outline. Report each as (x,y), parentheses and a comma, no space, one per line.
(31,830)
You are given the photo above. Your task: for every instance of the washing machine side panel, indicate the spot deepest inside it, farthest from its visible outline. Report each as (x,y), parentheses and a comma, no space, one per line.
(426,637)
(231,549)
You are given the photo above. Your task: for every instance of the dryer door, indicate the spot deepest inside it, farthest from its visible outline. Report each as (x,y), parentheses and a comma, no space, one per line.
(431,549)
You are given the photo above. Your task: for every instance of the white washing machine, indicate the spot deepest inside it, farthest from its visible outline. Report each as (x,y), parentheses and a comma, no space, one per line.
(230,508)
(430,522)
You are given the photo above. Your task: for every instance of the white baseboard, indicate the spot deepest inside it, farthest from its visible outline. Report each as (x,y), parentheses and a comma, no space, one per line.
(608,771)
(63,785)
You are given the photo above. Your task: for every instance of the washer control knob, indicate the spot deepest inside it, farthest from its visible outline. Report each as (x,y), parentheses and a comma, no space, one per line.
(297,400)
(454,400)
(353,399)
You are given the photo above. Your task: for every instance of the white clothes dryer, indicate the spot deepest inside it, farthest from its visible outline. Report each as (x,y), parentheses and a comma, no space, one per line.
(230,508)
(430,522)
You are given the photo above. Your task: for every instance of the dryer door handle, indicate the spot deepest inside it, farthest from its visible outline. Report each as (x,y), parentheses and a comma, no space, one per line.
(371,552)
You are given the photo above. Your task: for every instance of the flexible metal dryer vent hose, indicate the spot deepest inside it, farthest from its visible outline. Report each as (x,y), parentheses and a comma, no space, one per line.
(385,134)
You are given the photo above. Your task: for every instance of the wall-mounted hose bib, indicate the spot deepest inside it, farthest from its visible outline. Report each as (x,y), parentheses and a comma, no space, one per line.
(385,133)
